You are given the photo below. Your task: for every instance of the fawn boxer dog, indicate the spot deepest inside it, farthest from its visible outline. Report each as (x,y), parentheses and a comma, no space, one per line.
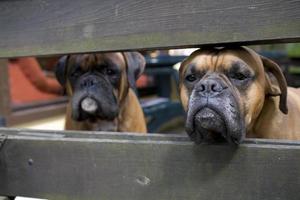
(232,93)
(101,93)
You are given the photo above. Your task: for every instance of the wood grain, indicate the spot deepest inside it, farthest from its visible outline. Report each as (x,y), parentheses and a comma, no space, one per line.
(62,26)
(5,106)
(130,166)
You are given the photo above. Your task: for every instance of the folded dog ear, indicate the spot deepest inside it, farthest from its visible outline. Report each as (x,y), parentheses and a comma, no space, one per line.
(277,87)
(60,70)
(183,65)
(135,66)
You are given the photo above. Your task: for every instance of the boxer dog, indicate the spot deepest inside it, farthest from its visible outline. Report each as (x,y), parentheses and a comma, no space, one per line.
(101,93)
(232,93)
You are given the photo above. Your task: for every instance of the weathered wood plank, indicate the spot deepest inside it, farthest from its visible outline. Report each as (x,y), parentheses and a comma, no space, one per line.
(5,107)
(27,115)
(60,26)
(129,166)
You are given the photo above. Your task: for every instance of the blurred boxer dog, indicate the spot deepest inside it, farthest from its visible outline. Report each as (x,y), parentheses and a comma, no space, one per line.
(100,87)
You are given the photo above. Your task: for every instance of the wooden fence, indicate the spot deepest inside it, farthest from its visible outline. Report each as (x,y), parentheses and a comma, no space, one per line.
(82,165)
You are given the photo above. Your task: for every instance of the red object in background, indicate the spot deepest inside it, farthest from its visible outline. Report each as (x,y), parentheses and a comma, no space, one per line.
(28,82)
(142,81)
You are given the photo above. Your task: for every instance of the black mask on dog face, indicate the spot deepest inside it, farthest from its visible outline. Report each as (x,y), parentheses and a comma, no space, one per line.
(224,91)
(214,112)
(93,81)
(216,84)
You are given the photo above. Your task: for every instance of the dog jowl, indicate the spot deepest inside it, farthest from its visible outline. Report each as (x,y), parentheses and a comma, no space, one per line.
(100,86)
(231,93)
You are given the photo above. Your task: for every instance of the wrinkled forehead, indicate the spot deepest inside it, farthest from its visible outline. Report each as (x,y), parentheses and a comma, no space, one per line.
(87,61)
(222,60)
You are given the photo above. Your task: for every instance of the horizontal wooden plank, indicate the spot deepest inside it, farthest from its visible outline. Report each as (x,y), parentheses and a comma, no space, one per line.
(29,115)
(84,165)
(60,26)
(5,89)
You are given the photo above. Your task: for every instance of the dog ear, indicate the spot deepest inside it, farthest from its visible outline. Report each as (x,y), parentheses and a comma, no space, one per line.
(182,67)
(60,70)
(135,66)
(276,83)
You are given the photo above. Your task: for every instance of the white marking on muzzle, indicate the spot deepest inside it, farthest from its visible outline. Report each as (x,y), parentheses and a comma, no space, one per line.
(89,105)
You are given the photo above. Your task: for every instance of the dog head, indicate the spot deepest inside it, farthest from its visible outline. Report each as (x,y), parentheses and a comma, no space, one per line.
(223,91)
(98,83)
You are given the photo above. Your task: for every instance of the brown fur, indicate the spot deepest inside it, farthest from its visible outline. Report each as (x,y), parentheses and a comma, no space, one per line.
(265,101)
(131,117)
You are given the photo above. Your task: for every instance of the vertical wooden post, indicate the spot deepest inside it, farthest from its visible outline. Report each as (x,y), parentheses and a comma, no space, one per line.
(5,107)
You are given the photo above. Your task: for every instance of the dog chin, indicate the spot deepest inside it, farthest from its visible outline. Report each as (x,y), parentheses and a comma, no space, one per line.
(89,108)
(210,126)
(79,115)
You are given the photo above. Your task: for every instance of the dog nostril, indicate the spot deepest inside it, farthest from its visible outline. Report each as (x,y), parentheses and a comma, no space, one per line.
(202,88)
(88,83)
(214,87)
(91,82)
(210,86)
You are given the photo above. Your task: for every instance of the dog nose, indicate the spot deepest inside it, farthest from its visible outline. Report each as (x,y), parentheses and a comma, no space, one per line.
(88,82)
(209,87)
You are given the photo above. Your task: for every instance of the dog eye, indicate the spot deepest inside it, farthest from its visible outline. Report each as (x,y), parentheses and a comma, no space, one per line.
(75,73)
(191,78)
(239,76)
(110,72)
